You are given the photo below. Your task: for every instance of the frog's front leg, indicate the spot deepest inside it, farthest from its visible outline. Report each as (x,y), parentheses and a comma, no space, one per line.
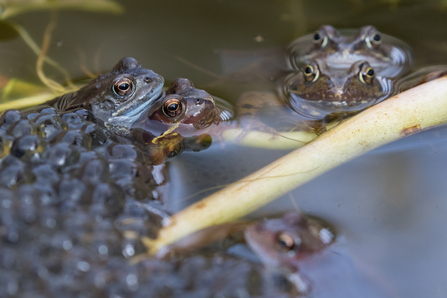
(250,105)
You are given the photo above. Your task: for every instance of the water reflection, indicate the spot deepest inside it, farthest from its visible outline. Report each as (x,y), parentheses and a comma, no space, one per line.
(389,56)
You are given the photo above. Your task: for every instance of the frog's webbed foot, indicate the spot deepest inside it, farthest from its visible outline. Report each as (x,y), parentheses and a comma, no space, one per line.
(251,123)
(319,128)
(249,106)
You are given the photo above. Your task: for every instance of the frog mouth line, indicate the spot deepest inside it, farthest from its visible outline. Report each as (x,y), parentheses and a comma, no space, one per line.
(158,93)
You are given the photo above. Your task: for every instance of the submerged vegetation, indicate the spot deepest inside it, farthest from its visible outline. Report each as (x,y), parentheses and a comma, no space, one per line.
(39,94)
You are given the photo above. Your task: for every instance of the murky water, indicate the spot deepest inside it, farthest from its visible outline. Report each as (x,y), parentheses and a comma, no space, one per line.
(388,205)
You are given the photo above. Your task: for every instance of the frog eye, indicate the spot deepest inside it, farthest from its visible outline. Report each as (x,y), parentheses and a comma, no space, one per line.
(173,153)
(374,39)
(123,86)
(320,39)
(366,74)
(311,72)
(286,243)
(172,107)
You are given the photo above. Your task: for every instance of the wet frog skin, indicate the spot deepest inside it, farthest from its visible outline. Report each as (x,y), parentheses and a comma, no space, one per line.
(316,91)
(305,250)
(284,243)
(184,110)
(118,97)
(281,242)
(317,95)
(389,56)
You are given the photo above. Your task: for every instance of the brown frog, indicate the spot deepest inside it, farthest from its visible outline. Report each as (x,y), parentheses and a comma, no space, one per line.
(316,91)
(304,250)
(389,56)
(131,96)
(318,95)
(184,110)
(118,97)
(283,241)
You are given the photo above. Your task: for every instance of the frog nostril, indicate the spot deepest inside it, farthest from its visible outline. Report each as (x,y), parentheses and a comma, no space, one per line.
(147,79)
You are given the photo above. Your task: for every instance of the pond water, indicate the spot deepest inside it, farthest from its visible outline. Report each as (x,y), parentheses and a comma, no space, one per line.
(388,206)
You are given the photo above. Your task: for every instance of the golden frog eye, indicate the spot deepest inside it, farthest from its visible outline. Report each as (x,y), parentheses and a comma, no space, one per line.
(285,243)
(172,107)
(374,39)
(366,74)
(320,39)
(311,72)
(123,86)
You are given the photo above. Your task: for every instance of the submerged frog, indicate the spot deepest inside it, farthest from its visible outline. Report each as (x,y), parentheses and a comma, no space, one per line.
(304,250)
(185,110)
(118,97)
(389,56)
(318,95)
(281,242)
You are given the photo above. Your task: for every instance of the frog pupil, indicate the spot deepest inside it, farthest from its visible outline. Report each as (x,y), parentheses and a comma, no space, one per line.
(370,72)
(376,37)
(308,70)
(317,36)
(124,86)
(173,107)
(284,243)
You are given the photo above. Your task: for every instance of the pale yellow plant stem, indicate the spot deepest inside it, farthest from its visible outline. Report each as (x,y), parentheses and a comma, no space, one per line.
(26,102)
(419,108)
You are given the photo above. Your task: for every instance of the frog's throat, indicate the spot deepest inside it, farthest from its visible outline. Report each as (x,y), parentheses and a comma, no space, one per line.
(171,129)
(127,120)
(157,92)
